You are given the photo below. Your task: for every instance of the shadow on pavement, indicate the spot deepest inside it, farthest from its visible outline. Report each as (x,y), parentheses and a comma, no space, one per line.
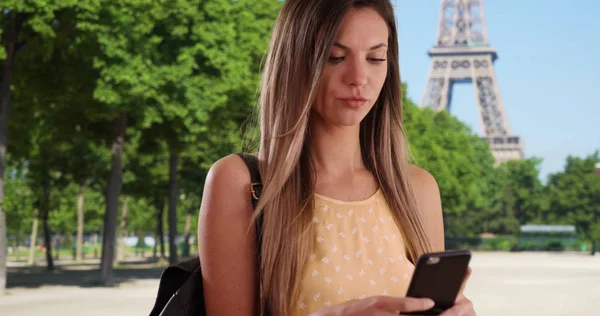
(84,275)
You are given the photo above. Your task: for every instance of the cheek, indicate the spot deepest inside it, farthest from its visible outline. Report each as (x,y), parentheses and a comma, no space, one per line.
(379,77)
(324,90)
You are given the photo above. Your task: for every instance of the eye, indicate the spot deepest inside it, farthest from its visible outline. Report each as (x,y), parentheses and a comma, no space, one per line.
(376,60)
(336,60)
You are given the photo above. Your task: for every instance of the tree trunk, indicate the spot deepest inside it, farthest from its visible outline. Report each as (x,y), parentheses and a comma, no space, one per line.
(11,47)
(17,240)
(173,196)
(104,232)
(115,184)
(141,244)
(80,220)
(155,247)
(159,227)
(45,208)
(34,229)
(593,250)
(57,249)
(187,233)
(156,231)
(95,245)
(122,230)
(3,245)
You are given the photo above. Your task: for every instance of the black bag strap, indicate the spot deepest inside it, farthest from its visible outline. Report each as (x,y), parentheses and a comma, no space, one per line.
(255,191)
(255,180)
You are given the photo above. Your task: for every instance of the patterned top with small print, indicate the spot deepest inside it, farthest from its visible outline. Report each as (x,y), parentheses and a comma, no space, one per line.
(358,252)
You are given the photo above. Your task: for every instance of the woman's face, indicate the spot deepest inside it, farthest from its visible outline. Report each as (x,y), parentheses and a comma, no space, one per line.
(356,70)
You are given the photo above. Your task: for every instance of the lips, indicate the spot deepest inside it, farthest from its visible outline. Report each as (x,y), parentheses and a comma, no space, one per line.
(354,102)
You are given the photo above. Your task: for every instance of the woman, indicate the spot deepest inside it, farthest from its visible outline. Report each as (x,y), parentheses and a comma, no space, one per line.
(345,215)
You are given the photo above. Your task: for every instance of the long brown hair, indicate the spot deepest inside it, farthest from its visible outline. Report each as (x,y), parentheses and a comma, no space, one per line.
(299,48)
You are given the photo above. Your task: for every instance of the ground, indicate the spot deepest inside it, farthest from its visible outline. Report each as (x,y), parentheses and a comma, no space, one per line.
(549,284)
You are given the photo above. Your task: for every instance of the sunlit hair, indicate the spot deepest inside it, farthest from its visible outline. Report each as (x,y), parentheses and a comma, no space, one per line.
(299,49)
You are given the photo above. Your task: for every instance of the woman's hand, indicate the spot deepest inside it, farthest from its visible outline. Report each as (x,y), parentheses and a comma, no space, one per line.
(463,306)
(377,306)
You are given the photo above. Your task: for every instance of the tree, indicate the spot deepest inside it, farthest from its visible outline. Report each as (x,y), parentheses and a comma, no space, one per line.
(147,181)
(20,23)
(141,220)
(18,202)
(49,123)
(522,185)
(201,63)
(574,196)
(517,197)
(459,160)
(106,32)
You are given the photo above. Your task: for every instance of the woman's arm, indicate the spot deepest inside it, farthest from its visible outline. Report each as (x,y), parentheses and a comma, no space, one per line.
(226,246)
(430,206)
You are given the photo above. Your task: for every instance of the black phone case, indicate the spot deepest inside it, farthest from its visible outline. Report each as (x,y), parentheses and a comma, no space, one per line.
(439,276)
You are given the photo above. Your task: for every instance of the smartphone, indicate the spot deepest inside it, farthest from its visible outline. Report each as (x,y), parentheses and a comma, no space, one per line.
(439,276)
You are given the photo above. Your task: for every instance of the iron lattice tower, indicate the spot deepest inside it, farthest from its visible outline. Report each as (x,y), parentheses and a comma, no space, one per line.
(462,54)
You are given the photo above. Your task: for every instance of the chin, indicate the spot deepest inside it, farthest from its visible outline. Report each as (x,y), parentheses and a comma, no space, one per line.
(349,120)
(342,116)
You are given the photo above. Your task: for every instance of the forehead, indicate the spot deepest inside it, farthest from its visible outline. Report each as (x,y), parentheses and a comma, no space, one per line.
(362,28)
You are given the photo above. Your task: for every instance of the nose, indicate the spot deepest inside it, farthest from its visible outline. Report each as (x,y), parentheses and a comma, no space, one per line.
(356,74)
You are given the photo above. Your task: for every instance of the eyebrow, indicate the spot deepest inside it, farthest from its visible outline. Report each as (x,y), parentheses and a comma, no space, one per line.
(380,45)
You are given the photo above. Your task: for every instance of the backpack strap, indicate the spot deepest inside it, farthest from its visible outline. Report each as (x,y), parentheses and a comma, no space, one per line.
(255,192)
(255,180)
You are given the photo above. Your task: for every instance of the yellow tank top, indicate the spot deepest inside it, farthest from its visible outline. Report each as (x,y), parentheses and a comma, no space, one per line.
(358,252)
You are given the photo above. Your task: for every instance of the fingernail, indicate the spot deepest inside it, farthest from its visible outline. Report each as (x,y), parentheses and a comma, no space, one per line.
(430,303)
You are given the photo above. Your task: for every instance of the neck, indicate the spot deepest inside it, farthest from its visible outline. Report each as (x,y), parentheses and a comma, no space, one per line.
(337,149)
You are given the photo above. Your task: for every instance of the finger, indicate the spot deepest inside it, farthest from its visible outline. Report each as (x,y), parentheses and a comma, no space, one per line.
(412,304)
(464,308)
(464,283)
(404,304)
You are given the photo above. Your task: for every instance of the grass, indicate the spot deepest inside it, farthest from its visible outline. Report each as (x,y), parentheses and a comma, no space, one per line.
(68,253)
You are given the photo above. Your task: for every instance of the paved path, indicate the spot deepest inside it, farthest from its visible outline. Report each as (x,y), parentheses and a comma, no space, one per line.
(535,284)
(130,299)
(502,284)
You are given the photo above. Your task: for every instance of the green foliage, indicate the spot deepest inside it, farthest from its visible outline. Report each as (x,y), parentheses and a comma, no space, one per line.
(522,193)
(515,197)
(503,244)
(574,196)
(63,211)
(140,216)
(479,197)
(186,74)
(185,71)
(459,160)
(18,200)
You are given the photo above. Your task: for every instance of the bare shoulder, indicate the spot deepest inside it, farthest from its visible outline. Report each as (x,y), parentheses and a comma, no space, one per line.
(423,182)
(226,188)
(429,202)
(227,240)
(229,173)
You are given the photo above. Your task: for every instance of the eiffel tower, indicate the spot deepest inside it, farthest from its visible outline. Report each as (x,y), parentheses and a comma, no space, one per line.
(462,54)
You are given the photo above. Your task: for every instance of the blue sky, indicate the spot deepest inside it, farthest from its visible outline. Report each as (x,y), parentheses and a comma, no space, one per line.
(548,71)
